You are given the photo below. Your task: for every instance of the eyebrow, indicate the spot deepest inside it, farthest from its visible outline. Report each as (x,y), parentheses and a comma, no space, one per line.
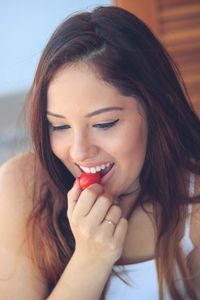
(102,110)
(55,115)
(94,113)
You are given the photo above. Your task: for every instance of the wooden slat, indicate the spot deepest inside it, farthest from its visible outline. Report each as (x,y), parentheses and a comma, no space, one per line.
(190,67)
(180,11)
(188,58)
(191,79)
(176,49)
(166,3)
(181,36)
(167,26)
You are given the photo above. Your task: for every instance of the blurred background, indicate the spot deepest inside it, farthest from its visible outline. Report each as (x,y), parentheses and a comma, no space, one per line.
(25,27)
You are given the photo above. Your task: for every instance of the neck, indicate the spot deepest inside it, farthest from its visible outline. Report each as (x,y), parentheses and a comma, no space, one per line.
(127,202)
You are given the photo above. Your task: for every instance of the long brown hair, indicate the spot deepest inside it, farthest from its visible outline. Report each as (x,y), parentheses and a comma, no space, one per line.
(127,55)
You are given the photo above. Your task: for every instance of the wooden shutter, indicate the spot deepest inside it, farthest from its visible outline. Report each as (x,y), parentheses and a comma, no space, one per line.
(177,24)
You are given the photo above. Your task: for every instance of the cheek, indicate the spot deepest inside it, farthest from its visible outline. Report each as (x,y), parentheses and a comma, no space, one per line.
(133,146)
(58,146)
(133,140)
(140,140)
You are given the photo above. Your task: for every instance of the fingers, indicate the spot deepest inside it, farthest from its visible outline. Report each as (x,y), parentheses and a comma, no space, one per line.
(72,197)
(87,199)
(121,231)
(111,220)
(100,209)
(82,200)
(114,214)
(96,223)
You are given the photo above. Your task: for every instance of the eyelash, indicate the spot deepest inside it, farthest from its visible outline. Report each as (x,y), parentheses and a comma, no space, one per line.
(103,126)
(106,125)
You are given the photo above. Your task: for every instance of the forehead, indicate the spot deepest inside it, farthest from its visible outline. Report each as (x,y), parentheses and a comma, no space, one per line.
(80,86)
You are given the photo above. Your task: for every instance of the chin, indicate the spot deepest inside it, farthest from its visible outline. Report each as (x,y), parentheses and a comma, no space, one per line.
(111,191)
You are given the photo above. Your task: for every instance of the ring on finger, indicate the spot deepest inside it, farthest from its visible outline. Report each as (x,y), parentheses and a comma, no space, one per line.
(110,222)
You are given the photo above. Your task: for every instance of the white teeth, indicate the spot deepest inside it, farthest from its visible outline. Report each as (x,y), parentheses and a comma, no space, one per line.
(93,170)
(96,169)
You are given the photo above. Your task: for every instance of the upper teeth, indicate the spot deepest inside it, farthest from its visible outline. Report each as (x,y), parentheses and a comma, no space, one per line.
(95,169)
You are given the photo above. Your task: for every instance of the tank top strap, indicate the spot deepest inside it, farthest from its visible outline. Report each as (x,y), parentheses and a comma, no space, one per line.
(186,242)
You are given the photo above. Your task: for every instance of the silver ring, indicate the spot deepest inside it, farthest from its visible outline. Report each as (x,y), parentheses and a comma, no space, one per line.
(110,222)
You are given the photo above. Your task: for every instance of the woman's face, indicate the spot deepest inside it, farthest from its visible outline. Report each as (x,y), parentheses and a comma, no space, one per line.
(93,126)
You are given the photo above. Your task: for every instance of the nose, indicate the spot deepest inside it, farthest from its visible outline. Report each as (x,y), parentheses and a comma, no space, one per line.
(82,147)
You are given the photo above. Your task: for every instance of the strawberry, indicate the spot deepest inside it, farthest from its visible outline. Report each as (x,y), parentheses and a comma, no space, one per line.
(86,179)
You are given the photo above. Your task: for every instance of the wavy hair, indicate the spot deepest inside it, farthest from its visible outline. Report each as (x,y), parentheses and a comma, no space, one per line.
(127,55)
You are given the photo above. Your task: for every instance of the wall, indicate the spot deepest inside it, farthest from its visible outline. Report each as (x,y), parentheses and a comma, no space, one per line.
(25,27)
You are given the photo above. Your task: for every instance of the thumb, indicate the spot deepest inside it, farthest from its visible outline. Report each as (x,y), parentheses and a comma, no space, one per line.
(73,196)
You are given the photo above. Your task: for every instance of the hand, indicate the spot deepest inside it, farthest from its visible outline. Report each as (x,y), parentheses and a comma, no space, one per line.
(88,214)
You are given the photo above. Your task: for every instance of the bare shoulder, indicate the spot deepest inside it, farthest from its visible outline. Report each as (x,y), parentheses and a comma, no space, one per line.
(19,159)
(16,189)
(22,278)
(16,176)
(14,168)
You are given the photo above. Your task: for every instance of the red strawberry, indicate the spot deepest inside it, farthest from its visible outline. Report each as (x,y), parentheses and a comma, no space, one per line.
(86,179)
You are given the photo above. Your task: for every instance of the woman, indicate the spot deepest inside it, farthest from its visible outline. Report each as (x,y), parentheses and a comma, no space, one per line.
(106,99)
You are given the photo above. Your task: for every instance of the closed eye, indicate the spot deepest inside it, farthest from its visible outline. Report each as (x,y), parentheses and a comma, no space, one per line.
(61,127)
(100,125)
(106,125)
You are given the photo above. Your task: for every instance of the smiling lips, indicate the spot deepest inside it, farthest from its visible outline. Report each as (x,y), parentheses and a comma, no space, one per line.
(93,175)
(102,169)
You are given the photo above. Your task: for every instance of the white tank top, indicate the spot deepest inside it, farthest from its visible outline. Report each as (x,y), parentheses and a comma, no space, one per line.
(142,277)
